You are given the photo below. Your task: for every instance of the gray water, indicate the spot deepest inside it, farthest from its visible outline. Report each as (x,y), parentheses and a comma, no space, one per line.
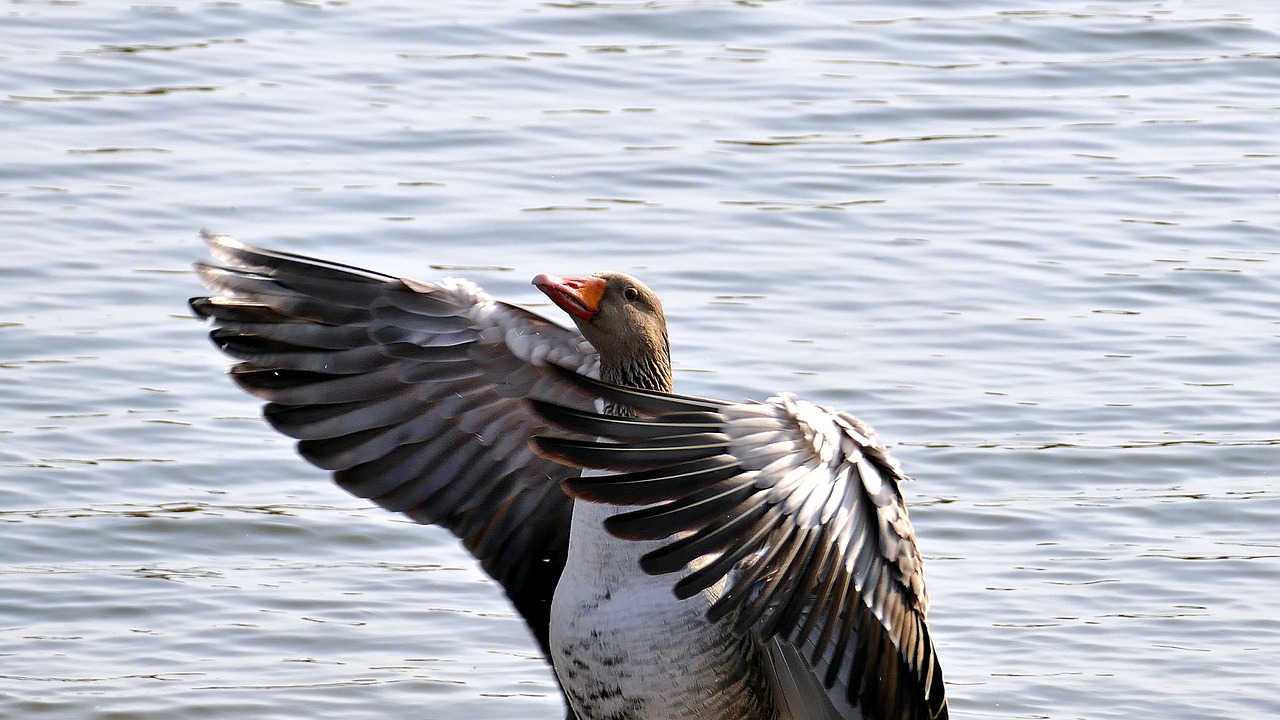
(1037,245)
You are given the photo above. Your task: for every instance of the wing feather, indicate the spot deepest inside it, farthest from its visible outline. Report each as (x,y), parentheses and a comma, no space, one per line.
(799,511)
(413,394)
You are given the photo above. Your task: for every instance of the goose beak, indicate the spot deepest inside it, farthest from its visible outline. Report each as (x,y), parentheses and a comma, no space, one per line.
(578,296)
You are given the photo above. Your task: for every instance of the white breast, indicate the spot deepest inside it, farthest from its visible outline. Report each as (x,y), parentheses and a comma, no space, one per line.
(625,648)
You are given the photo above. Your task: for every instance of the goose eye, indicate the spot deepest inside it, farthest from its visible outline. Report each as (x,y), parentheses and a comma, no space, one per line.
(631,294)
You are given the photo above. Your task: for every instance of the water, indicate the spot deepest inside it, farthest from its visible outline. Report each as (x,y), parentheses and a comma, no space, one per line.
(1036,245)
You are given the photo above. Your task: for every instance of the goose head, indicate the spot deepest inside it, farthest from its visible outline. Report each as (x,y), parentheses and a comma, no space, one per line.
(622,319)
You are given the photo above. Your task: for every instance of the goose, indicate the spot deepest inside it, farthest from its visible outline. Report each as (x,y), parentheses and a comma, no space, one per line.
(674,557)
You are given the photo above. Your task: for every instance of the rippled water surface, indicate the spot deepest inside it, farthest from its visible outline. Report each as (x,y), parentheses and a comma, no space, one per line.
(1037,245)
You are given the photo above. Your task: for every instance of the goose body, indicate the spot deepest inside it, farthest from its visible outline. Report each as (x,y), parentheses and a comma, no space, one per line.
(603,611)
(675,558)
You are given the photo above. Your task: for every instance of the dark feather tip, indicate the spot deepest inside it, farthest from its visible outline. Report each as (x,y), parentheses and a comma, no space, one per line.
(200,307)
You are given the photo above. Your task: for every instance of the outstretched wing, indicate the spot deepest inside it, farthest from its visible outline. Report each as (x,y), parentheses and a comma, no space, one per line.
(413,395)
(798,507)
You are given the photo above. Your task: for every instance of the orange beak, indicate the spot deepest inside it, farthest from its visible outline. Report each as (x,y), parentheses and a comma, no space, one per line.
(578,296)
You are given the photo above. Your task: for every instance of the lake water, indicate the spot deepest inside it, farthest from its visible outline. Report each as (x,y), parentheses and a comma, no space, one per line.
(1036,244)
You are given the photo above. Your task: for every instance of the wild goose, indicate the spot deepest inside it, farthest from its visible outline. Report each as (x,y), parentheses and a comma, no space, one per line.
(738,561)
